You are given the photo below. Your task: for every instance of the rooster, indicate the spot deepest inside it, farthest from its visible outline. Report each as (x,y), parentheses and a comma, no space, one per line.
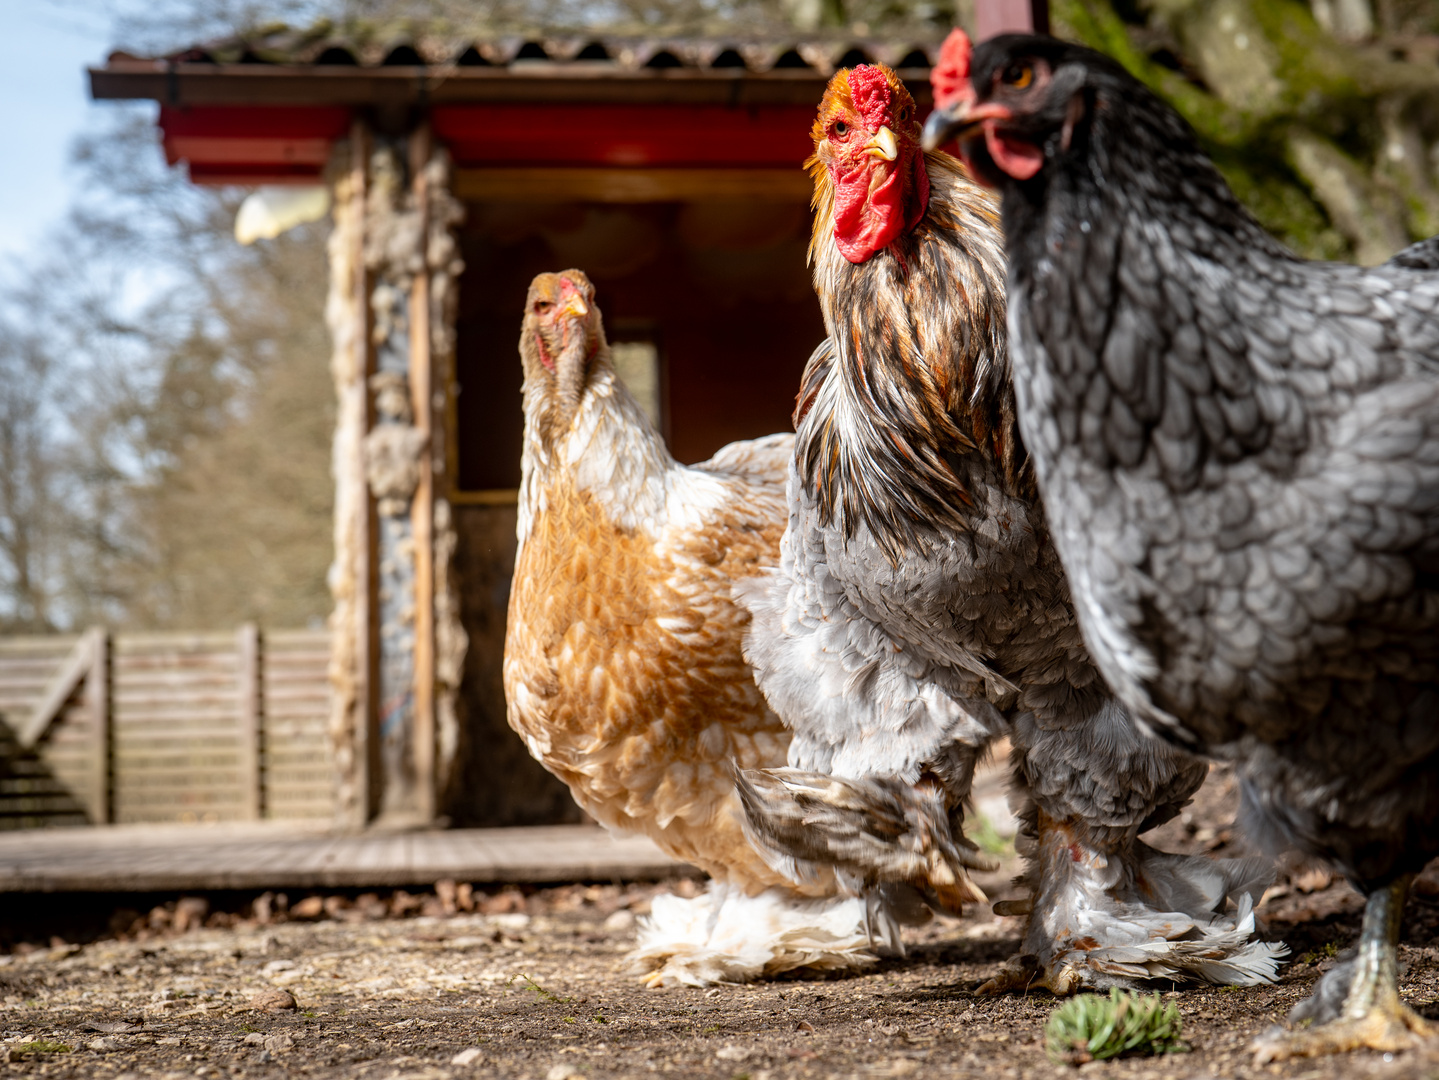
(623,668)
(920,611)
(1239,454)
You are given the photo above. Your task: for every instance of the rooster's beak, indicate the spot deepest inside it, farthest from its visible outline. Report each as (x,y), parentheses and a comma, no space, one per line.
(882,145)
(575,307)
(950,123)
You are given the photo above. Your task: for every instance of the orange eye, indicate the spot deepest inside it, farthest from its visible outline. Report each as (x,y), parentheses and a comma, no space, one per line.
(1018,76)
(841,128)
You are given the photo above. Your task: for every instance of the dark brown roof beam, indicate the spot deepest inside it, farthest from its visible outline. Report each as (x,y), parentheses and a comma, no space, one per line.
(339,84)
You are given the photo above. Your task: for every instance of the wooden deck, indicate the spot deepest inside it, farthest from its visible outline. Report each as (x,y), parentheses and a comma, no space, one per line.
(180,858)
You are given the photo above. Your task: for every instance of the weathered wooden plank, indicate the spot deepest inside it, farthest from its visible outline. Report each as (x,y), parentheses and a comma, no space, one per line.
(97,700)
(318,638)
(251,703)
(57,692)
(312,687)
(175,785)
(24,644)
(172,858)
(176,641)
(209,721)
(296,764)
(162,680)
(308,658)
(218,759)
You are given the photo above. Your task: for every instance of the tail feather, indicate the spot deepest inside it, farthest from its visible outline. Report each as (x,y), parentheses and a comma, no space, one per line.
(870,831)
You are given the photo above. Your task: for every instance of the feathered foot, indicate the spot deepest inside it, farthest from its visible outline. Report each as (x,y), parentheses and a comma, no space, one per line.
(1357,1005)
(725,936)
(871,831)
(1123,917)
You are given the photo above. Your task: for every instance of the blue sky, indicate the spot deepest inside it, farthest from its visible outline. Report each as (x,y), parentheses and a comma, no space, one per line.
(45,46)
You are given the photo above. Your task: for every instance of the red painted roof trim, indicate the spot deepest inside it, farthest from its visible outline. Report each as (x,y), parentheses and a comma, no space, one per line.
(626,135)
(289,144)
(253,144)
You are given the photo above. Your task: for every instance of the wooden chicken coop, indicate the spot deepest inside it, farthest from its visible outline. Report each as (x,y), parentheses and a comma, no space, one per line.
(668,170)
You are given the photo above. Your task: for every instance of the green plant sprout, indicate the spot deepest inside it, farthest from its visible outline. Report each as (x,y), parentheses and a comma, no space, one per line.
(541,994)
(43,1046)
(1094,1028)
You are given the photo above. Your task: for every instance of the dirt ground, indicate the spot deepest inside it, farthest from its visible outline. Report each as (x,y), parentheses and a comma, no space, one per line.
(534,985)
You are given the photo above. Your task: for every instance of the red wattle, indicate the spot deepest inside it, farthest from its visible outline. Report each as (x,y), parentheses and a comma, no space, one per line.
(1020,159)
(866,222)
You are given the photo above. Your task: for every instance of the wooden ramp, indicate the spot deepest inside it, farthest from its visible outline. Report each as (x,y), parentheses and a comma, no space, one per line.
(182,858)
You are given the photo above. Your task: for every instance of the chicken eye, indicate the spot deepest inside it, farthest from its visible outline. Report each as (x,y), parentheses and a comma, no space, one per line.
(542,306)
(1018,76)
(841,128)
(904,114)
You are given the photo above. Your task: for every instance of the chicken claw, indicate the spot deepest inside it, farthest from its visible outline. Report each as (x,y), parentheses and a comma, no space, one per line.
(1372,1015)
(1022,973)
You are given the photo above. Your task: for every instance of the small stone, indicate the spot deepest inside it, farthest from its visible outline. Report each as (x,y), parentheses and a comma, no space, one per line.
(274,967)
(805,1026)
(190,912)
(467,1057)
(255,1038)
(278,1044)
(312,907)
(620,921)
(274,1000)
(562,1072)
(730,1052)
(103,1045)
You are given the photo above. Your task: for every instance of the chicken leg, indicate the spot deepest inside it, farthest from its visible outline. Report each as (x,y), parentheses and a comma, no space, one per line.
(1372,1016)
(1113,911)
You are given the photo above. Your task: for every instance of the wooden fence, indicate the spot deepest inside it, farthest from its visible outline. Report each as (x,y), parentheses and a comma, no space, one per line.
(101,727)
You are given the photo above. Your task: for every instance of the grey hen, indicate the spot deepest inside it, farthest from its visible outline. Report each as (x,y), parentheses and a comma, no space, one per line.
(1239,454)
(920,610)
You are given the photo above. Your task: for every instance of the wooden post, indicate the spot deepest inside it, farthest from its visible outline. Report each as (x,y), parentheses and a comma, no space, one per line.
(993,17)
(422,507)
(250,700)
(367,630)
(97,699)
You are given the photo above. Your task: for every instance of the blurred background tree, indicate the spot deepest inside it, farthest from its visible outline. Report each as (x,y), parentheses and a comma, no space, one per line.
(1324,116)
(165,403)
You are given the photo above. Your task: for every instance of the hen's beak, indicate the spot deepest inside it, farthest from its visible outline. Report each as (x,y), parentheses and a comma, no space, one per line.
(946,124)
(575,306)
(883,145)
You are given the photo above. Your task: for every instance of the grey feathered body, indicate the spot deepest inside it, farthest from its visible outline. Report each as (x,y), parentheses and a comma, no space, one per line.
(1239,451)
(920,609)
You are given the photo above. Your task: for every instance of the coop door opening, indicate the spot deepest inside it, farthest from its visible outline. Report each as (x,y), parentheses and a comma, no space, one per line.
(637,363)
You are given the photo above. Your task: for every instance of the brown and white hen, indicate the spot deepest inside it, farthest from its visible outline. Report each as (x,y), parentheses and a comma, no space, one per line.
(623,666)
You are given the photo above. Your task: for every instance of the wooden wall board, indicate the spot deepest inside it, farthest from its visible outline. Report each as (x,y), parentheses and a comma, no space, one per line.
(187,735)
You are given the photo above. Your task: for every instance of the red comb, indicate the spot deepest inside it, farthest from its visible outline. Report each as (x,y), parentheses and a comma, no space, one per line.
(870,91)
(950,77)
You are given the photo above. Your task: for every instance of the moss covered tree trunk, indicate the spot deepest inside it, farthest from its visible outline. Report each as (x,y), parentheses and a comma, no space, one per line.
(1324,117)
